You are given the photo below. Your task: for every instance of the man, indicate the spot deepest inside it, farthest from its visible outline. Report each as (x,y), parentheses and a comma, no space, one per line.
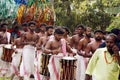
(24,27)
(43,40)
(5,36)
(28,56)
(42,29)
(94,44)
(75,38)
(105,62)
(17,55)
(15,32)
(81,60)
(55,47)
(116,32)
(50,47)
(66,35)
(85,40)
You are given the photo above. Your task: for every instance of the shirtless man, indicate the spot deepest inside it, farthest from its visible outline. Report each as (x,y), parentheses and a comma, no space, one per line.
(54,45)
(28,56)
(81,61)
(85,40)
(66,34)
(42,29)
(43,40)
(17,55)
(93,45)
(76,38)
(24,27)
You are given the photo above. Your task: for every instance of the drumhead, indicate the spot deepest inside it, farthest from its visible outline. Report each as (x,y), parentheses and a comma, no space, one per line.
(69,58)
(8,46)
(46,54)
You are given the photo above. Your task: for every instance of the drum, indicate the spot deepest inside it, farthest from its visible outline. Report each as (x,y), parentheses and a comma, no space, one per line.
(7,53)
(44,64)
(68,68)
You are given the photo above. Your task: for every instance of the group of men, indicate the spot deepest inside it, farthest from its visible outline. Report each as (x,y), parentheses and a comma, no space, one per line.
(98,53)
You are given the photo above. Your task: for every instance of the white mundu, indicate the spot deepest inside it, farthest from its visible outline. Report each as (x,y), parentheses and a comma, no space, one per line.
(16,58)
(28,57)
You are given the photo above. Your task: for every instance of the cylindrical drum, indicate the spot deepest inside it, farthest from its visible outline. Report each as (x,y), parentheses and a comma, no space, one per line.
(44,64)
(68,68)
(7,53)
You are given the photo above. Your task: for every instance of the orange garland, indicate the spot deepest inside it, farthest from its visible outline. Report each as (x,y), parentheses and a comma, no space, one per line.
(114,58)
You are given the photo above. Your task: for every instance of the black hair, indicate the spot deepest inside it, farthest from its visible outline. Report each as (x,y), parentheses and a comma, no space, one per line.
(80,26)
(115,31)
(66,29)
(59,31)
(2,25)
(25,24)
(87,28)
(49,27)
(99,31)
(31,22)
(43,24)
(113,35)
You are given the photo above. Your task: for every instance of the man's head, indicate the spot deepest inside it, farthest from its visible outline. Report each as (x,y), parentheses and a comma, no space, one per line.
(88,31)
(98,35)
(16,29)
(80,29)
(66,31)
(32,25)
(25,26)
(58,33)
(3,27)
(43,27)
(110,41)
(116,31)
(49,30)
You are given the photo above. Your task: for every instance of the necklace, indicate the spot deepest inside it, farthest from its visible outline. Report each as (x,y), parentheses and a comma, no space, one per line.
(114,58)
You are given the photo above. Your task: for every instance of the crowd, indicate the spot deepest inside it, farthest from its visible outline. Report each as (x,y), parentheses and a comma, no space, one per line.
(30,51)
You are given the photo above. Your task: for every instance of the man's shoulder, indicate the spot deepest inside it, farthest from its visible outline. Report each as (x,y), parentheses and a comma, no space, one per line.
(101,49)
(75,36)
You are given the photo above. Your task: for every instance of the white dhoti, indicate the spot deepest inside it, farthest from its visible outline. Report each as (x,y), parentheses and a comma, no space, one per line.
(80,71)
(28,57)
(37,64)
(54,67)
(16,59)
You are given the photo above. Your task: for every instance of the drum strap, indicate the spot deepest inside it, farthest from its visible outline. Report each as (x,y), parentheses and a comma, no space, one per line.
(63,42)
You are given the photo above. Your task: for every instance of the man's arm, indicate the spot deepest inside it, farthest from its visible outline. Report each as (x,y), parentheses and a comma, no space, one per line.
(47,49)
(72,41)
(39,44)
(92,64)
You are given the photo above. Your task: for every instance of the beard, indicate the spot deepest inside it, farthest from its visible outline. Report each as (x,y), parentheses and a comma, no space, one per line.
(49,34)
(31,29)
(88,35)
(98,38)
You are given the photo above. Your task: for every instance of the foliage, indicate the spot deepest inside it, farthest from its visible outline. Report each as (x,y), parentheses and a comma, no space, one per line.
(114,24)
(71,13)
